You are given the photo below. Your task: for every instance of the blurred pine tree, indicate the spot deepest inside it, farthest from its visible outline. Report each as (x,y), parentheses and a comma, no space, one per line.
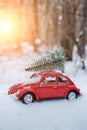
(54,60)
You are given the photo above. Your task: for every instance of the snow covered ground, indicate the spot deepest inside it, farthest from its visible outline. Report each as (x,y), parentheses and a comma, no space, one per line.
(59,114)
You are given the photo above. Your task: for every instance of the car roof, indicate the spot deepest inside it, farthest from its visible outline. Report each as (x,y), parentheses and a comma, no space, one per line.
(47,73)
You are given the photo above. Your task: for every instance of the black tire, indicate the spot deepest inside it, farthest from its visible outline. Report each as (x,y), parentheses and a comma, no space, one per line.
(72,95)
(27,98)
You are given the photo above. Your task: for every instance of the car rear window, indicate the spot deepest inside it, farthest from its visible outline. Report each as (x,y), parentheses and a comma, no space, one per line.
(62,80)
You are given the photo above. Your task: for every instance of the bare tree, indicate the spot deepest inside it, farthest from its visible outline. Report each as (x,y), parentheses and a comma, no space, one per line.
(69,9)
(81,24)
(81,30)
(48,21)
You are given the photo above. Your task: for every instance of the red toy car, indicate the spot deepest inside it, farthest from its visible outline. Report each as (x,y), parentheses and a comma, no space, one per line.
(46,85)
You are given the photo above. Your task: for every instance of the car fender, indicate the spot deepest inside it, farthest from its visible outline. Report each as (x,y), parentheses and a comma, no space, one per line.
(69,90)
(23,91)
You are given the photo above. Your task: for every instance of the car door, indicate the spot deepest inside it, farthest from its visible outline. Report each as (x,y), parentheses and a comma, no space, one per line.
(48,87)
(63,84)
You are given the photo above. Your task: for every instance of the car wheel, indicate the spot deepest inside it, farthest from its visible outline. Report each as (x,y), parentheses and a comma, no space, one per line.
(72,95)
(27,98)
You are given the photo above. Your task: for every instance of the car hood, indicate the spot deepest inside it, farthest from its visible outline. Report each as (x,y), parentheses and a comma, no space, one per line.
(13,89)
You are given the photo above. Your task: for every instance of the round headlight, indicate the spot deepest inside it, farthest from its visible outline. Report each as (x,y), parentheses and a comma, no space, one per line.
(18,92)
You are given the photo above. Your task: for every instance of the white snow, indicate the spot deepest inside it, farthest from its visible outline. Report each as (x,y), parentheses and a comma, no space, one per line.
(58,114)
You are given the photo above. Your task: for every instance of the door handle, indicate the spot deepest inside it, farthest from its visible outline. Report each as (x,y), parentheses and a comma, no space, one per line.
(55,87)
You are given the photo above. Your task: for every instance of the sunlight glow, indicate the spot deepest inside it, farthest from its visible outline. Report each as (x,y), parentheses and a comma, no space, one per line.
(6,27)
(9,27)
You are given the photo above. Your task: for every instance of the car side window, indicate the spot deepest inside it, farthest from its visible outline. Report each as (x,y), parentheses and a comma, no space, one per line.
(49,80)
(62,80)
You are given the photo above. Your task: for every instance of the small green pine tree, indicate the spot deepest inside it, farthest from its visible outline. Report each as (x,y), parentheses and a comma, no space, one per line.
(54,60)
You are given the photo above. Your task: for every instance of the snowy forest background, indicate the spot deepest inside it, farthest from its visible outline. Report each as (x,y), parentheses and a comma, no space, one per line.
(46,23)
(40,28)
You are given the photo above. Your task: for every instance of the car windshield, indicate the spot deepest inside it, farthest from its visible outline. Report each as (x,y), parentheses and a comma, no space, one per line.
(35,77)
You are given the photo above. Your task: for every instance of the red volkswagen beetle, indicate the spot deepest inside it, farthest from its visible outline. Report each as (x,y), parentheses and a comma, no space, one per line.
(45,85)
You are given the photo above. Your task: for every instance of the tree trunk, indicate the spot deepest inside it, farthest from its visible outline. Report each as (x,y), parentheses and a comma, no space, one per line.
(81,36)
(68,27)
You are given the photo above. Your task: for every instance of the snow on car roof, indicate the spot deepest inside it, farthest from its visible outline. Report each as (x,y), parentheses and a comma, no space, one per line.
(51,73)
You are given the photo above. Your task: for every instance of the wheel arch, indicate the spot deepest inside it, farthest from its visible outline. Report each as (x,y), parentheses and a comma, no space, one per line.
(66,94)
(30,92)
